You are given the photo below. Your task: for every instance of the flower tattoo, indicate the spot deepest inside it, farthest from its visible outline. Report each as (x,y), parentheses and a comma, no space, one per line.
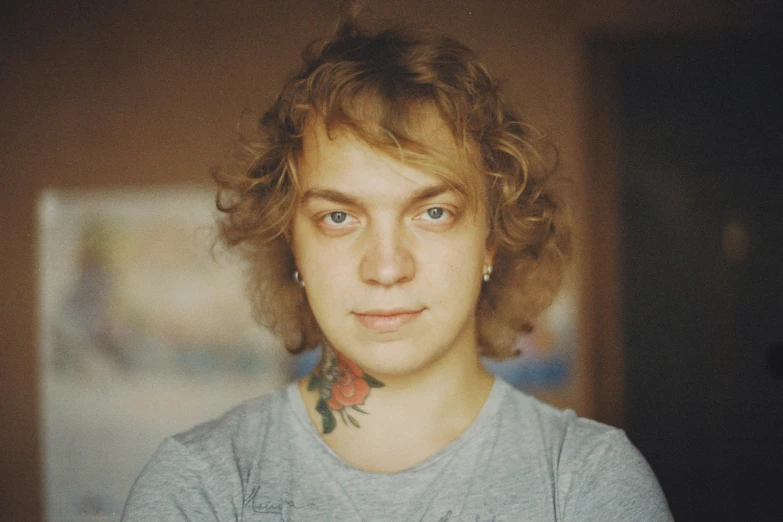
(342,386)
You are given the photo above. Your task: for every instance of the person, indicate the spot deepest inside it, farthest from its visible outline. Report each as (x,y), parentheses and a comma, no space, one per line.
(397,213)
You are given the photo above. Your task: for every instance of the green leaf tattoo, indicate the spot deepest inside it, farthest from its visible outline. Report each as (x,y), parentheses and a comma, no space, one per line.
(314,384)
(341,384)
(372,381)
(327,417)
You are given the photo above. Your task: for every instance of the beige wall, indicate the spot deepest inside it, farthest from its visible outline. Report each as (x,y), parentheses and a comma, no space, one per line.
(115,94)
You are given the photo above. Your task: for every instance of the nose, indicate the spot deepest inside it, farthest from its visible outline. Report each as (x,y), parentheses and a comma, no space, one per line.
(388,259)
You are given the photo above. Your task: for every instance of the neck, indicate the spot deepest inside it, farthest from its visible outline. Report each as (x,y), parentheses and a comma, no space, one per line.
(387,422)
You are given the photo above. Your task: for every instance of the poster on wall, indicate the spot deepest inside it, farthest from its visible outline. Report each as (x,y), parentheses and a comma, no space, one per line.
(144,331)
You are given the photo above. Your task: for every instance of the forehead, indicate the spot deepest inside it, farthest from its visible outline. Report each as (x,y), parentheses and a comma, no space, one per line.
(425,147)
(342,161)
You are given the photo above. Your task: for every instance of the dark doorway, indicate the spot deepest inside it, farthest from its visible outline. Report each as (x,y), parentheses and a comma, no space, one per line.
(700,130)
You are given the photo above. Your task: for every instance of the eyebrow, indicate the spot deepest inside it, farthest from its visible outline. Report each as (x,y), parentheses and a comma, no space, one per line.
(344,198)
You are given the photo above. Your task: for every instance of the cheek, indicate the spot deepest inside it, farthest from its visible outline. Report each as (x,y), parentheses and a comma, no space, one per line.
(455,271)
(328,284)
(321,266)
(312,254)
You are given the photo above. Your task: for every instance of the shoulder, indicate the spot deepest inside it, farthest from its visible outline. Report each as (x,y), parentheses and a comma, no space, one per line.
(560,432)
(594,469)
(554,429)
(238,429)
(203,469)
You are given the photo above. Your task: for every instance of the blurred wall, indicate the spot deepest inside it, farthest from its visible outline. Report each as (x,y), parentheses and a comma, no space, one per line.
(113,93)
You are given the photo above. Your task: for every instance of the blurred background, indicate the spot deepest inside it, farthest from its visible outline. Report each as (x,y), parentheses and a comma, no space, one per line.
(667,115)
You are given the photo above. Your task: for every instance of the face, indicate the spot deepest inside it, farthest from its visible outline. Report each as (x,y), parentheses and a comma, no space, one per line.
(392,258)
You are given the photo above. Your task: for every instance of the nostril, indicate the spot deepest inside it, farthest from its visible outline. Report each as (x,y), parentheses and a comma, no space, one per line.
(388,261)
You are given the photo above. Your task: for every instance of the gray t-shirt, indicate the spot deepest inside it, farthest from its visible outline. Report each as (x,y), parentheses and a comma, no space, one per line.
(520,460)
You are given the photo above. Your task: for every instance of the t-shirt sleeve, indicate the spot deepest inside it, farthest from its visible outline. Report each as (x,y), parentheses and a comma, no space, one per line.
(615,483)
(174,486)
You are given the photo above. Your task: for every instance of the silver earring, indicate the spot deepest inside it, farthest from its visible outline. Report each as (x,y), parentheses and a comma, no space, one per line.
(298,279)
(487,273)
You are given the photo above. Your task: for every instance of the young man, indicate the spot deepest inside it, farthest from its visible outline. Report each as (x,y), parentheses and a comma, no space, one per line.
(398,214)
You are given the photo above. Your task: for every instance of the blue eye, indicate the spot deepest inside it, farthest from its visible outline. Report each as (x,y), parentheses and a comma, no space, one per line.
(438,217)
(338,217)
(435,213)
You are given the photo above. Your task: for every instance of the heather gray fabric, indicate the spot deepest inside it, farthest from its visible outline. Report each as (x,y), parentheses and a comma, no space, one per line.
(520,460)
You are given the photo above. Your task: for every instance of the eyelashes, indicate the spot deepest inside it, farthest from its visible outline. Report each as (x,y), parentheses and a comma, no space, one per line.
(340,219)
(436,214)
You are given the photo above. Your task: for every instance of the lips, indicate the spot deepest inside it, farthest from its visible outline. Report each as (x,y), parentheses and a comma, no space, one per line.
(383,321)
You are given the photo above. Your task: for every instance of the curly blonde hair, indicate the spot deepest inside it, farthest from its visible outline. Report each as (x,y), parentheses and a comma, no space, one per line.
(376,85)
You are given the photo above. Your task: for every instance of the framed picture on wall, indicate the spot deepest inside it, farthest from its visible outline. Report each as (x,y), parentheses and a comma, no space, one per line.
(144,332)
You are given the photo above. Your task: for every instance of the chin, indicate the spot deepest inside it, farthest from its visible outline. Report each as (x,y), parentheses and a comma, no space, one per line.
(395,359)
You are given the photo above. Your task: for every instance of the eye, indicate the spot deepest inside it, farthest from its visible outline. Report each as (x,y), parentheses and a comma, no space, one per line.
(438,214)
(337,218)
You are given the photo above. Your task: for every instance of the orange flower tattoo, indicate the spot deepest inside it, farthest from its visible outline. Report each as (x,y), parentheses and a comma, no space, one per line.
(342,387)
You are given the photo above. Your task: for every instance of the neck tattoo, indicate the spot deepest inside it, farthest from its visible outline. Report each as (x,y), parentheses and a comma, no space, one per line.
(342,387)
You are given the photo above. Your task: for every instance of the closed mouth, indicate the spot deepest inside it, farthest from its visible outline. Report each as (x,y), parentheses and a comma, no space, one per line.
(383,321)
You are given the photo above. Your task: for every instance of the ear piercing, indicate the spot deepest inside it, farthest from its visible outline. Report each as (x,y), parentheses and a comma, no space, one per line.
(487,273)
(298,279)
